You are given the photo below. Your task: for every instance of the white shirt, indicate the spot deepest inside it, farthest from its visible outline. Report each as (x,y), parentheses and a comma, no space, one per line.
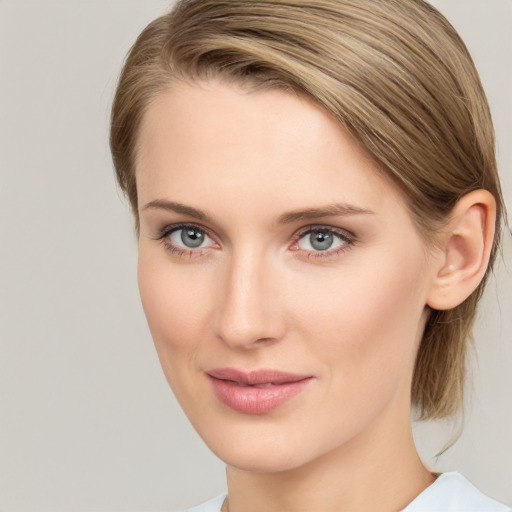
(451,492)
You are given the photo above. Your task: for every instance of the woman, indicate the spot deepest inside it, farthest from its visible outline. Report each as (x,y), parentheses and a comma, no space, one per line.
(318,209)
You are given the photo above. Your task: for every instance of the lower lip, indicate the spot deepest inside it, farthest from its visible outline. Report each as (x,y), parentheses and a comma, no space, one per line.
(256,400)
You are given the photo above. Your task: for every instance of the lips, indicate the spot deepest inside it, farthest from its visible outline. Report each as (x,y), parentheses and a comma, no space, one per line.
(256,392)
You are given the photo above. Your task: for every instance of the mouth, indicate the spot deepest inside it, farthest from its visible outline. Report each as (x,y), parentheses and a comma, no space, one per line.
(256,392)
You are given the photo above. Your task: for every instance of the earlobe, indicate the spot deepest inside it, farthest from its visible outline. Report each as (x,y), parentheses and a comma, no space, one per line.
(465,250)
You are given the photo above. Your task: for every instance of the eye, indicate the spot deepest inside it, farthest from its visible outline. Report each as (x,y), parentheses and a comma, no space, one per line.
(326,240)
(185,239)
(190,237)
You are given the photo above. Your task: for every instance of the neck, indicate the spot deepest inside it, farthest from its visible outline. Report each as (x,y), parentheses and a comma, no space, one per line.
(378,470)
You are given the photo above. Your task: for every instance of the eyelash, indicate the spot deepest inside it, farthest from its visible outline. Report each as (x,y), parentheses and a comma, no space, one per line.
(346,237)
(164,234)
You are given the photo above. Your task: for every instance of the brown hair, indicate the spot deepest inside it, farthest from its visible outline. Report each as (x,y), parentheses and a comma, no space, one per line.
(393,72)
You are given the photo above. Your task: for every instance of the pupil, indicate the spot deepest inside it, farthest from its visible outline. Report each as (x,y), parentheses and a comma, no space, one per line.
(192,237)
(320,240)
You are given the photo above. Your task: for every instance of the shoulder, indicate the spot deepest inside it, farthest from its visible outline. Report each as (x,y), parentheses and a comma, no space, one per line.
(452,492)
(213,505)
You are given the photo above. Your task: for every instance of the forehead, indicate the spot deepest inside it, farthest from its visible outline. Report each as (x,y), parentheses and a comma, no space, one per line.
(215,142)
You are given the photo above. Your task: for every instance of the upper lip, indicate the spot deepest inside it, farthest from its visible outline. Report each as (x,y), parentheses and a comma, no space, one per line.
(255,377)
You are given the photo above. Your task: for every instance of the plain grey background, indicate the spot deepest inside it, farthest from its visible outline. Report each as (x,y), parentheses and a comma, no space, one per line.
(87,421)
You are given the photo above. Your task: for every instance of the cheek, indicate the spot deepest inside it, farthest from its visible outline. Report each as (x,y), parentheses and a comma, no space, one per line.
(364,323)
(174,307)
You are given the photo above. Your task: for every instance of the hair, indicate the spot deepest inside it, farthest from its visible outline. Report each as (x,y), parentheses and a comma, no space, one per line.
(394,73)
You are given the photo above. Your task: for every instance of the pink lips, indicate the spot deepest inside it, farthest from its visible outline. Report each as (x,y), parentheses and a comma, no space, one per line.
(255,392)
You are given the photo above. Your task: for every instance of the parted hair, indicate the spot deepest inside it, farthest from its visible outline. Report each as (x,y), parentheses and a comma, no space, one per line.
(395,74)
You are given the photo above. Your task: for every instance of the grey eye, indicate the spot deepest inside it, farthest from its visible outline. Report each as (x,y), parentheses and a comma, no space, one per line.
(192,237)
(321,240)
(189,237)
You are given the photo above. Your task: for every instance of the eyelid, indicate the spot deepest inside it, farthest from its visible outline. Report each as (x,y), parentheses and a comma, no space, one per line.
(347,237)
(163,236)
(171,228)
(342,233)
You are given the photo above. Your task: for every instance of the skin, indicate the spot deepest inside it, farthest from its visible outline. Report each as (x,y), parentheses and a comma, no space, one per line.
(256,294)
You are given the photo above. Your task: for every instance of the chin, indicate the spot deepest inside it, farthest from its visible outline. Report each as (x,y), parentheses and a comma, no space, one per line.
(263,448)
(260,459)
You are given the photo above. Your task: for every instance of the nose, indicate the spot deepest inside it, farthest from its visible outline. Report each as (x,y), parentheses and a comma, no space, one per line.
(249,314)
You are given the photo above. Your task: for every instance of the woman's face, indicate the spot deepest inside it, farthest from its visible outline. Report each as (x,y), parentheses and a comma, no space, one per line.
(282,276)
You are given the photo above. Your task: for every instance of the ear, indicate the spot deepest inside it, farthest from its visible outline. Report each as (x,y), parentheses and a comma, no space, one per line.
(465,250)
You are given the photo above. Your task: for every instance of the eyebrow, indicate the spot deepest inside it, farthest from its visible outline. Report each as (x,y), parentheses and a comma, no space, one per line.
(172,206)
(330,210)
